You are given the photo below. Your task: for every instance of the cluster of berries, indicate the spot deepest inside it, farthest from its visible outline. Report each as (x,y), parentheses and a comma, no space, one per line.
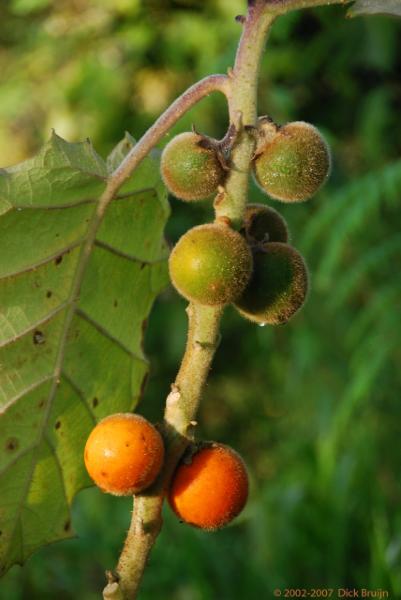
(124,454)
(256,270)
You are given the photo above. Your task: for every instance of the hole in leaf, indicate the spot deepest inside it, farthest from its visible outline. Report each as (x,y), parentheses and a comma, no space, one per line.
(38,337)
(12,444)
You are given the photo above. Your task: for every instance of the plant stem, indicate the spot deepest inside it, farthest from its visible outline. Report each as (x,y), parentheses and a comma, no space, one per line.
(212,83)
(243,110)
(181,408)
(203,332)
(279,7)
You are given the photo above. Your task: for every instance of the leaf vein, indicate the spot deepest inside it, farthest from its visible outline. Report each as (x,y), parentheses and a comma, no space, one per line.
(101,329)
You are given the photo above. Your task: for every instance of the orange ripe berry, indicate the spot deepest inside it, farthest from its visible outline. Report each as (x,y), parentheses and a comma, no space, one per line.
(124,454)
(211,490)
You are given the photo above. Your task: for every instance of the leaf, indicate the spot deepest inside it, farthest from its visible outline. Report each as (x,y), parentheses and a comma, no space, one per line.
(70,350)
(375,7)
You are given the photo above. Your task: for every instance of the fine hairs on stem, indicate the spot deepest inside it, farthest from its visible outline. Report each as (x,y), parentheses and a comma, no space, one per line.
(240,90)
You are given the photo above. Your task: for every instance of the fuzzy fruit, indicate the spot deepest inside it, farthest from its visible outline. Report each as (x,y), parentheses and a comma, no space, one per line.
(211,264)
(124,454)
(264,224)
(211,489)
(190,167)
(294,163)
(278,287)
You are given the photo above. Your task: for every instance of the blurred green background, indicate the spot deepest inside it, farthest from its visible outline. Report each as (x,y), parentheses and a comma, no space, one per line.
(314,406)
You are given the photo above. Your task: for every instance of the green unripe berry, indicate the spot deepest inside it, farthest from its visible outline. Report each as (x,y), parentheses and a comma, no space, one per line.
(190,167)
(264,224)
(294,163)
(278,286)
(211,264)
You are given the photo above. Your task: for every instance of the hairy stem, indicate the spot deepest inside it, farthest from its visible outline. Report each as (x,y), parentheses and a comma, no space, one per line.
(180,413)
(279,7)
(240,88)
(183,401)
(243,111)
(212,83)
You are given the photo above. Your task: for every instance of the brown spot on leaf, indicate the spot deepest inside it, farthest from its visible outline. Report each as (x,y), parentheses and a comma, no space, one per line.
(49,294)
(57,425)
(95,402)
(38,337)
(12,444)
(58,260)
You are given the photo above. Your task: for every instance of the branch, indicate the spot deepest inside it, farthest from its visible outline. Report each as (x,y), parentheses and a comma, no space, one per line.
(183,401)
(243,110)
(181,408)
(212,83)
(279,7)
(203,333)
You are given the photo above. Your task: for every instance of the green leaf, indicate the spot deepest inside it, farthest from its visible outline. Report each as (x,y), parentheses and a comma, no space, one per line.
(70,333)
(375,7)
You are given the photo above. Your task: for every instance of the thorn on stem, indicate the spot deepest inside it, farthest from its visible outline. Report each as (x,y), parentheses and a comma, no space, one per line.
(219,198)
(174,396)
(112,577)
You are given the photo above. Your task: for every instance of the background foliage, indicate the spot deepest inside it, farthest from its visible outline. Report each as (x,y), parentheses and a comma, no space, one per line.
(312,406)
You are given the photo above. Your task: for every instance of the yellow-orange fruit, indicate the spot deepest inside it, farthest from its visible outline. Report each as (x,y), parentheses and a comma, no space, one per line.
(211,490)
(124,454)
